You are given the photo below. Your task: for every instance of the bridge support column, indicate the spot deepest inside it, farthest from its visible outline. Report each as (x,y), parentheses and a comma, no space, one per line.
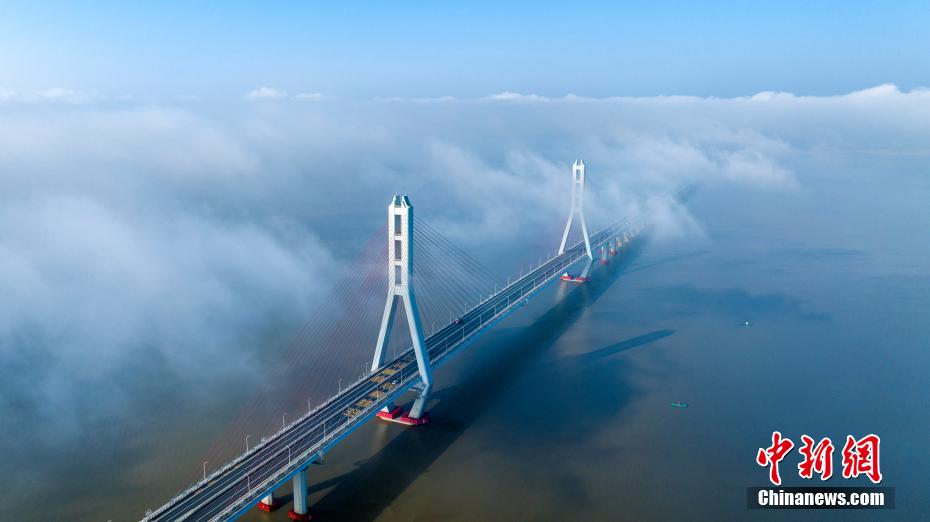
(577,207)
(611,249)
(300,512)
(400,289)
(604,259)
(269,503)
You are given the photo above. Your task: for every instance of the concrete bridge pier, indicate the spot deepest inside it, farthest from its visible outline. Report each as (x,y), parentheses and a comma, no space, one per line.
(604,260)
(269,503)
(301,511)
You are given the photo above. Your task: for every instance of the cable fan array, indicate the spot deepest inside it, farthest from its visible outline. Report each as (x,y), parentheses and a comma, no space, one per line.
(446,280)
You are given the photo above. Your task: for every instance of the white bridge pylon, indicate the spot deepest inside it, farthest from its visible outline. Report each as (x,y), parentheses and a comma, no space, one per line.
(578,178)
(400,288)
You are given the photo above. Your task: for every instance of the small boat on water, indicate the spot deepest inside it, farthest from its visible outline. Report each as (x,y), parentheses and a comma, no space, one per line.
(680,404)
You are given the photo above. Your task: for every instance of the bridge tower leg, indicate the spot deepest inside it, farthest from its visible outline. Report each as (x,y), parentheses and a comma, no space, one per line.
(577,207)
(400,288)
(301,512)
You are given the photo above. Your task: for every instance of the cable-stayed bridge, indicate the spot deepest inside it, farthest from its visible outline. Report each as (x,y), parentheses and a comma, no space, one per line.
(444,289)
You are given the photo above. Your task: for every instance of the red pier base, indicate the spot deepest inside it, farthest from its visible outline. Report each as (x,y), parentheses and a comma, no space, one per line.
(574,279)
(390,415)
(268,507)
(605,262)
(397,415)
(297,516)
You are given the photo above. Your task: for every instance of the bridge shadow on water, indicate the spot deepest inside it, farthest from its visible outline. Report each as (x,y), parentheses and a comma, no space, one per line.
(365,492)
(623,346)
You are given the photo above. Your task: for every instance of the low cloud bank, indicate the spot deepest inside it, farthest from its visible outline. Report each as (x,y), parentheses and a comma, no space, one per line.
(181,229)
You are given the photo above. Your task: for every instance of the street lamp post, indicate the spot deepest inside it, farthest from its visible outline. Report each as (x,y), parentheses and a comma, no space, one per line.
(247,443)
(205,470)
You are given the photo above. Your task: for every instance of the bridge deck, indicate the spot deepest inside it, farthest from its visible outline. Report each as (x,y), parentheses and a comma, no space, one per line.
(240,484)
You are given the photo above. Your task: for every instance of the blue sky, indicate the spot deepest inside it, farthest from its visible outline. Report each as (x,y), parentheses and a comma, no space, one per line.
(414,49)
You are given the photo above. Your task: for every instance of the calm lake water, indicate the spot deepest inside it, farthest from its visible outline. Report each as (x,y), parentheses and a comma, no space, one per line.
(562,412)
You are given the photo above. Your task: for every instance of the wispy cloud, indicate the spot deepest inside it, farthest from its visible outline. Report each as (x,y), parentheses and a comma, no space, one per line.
(312,96)
(51,95)
(67,95)
(265,93)
(515,96)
